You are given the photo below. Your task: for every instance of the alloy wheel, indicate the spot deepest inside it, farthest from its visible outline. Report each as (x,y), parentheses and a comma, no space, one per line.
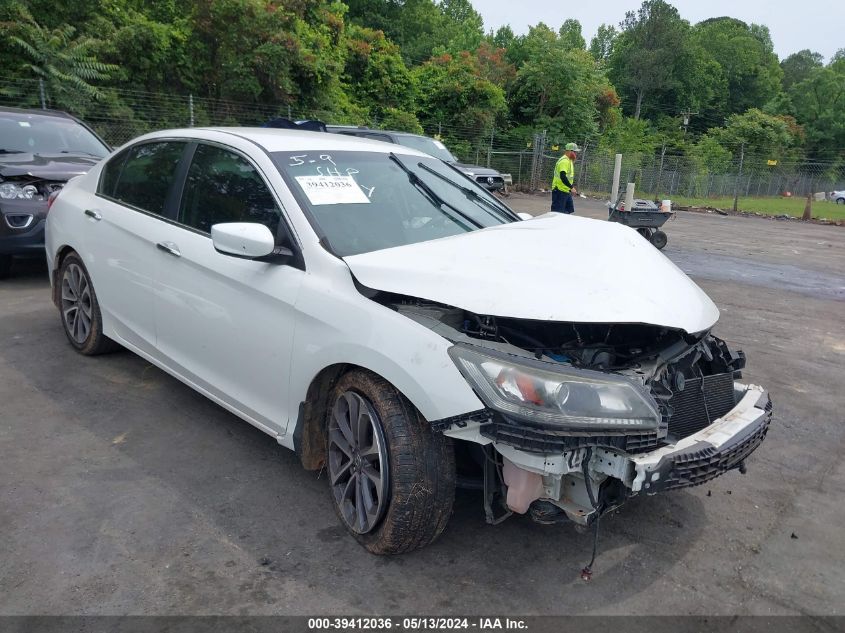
(357,462)
(76,303)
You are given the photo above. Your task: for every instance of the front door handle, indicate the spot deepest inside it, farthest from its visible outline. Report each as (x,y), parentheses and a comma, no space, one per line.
(169,247)
(93,214)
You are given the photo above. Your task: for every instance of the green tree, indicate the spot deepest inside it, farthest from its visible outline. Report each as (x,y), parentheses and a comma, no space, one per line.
(747,60)
(644,58)
(493,66)
(601,46)
(400,120)
(819,105)
(798,66)
(65,61)
(452,92)
(566,102)
(570,34)
(763,135)
(376,77)
(462,26)
(250,50)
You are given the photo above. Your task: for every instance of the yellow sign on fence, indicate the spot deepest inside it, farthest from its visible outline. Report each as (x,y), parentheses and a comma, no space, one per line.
(771,162)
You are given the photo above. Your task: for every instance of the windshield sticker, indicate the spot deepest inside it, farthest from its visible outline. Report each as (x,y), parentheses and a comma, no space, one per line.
(24,124)
(322,190)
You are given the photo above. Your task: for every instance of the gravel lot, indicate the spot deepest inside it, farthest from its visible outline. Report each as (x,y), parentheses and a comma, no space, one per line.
(123,491)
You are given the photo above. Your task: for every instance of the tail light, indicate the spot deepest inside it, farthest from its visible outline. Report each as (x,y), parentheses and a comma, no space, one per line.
(52,198)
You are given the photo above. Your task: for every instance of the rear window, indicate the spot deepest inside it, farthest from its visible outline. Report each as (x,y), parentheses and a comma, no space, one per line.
(147,175)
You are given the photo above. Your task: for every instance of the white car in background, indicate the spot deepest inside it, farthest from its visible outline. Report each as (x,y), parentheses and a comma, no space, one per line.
(838,196)
(397,325)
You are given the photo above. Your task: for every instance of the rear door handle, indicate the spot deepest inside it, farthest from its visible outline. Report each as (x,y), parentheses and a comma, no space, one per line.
(169,247)
(93,214)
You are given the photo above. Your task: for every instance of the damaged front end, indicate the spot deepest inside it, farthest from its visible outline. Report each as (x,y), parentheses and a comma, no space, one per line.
(581,416)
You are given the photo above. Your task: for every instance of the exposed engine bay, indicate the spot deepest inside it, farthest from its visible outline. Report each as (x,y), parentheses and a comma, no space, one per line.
(563,473)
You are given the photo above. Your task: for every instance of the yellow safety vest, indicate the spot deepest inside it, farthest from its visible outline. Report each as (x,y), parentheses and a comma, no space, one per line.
(563,164)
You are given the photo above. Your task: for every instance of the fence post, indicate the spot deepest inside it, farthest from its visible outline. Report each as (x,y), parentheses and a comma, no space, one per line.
(739,176)
(583,167)
(191,109)
(490,148)
(660,171)
(617,174)
(43,96)
(537,160)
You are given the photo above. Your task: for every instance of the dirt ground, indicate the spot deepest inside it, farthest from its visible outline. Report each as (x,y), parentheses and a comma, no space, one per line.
(123,491)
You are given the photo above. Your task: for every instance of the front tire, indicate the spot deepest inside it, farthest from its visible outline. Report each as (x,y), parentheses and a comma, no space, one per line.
(392,477)
(840,201)
(80,310)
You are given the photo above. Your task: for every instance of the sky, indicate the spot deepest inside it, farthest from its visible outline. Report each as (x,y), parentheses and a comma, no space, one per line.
(815,24)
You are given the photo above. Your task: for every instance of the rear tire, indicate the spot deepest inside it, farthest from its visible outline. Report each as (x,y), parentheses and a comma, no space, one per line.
(80,310)
(659,239)
(407,497)
(840,201)
(5,266)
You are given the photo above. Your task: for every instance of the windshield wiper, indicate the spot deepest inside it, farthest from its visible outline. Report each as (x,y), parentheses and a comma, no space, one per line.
(423,188)
(79,151)
(501,210)
(10,151)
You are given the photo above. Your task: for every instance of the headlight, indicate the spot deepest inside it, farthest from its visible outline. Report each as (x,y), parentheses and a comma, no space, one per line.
(10,191)
(559,395)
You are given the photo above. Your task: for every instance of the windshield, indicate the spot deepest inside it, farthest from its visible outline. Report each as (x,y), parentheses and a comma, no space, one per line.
(368,201)
(22,133)
(427,145)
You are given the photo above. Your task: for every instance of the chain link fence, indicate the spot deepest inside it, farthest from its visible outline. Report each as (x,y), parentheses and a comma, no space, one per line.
(121,114)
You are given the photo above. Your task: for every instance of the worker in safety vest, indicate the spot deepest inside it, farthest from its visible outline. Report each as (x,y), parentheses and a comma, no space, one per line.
(563,180)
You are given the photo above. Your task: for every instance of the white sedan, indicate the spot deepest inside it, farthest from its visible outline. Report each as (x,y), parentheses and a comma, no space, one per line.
(377,312)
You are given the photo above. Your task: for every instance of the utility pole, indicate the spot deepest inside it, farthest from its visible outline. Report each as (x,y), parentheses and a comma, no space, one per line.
(687,114)
(739,176)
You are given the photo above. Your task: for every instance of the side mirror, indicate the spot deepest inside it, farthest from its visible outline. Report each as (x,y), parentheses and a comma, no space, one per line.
(525,216)
(248,240)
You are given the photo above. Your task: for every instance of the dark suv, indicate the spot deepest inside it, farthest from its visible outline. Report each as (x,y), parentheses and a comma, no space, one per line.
(40,150)
(484,176)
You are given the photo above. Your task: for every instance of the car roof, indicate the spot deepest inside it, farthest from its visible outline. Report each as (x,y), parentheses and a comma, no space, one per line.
(280,140)
(369,130)
(36,112)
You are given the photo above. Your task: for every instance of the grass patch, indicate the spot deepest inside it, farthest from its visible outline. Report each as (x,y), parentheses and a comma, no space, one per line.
(769,206)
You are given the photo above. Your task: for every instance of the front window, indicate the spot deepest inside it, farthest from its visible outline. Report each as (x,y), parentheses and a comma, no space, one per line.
(427,145)
(46,135)
(368,201)
(223,187)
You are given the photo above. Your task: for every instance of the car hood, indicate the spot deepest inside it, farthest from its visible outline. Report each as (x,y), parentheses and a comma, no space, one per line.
(46,166)
(478,170)
(552,268)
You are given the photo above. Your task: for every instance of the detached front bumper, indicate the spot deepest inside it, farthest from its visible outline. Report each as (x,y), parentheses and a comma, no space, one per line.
(714,450)
(615,474)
